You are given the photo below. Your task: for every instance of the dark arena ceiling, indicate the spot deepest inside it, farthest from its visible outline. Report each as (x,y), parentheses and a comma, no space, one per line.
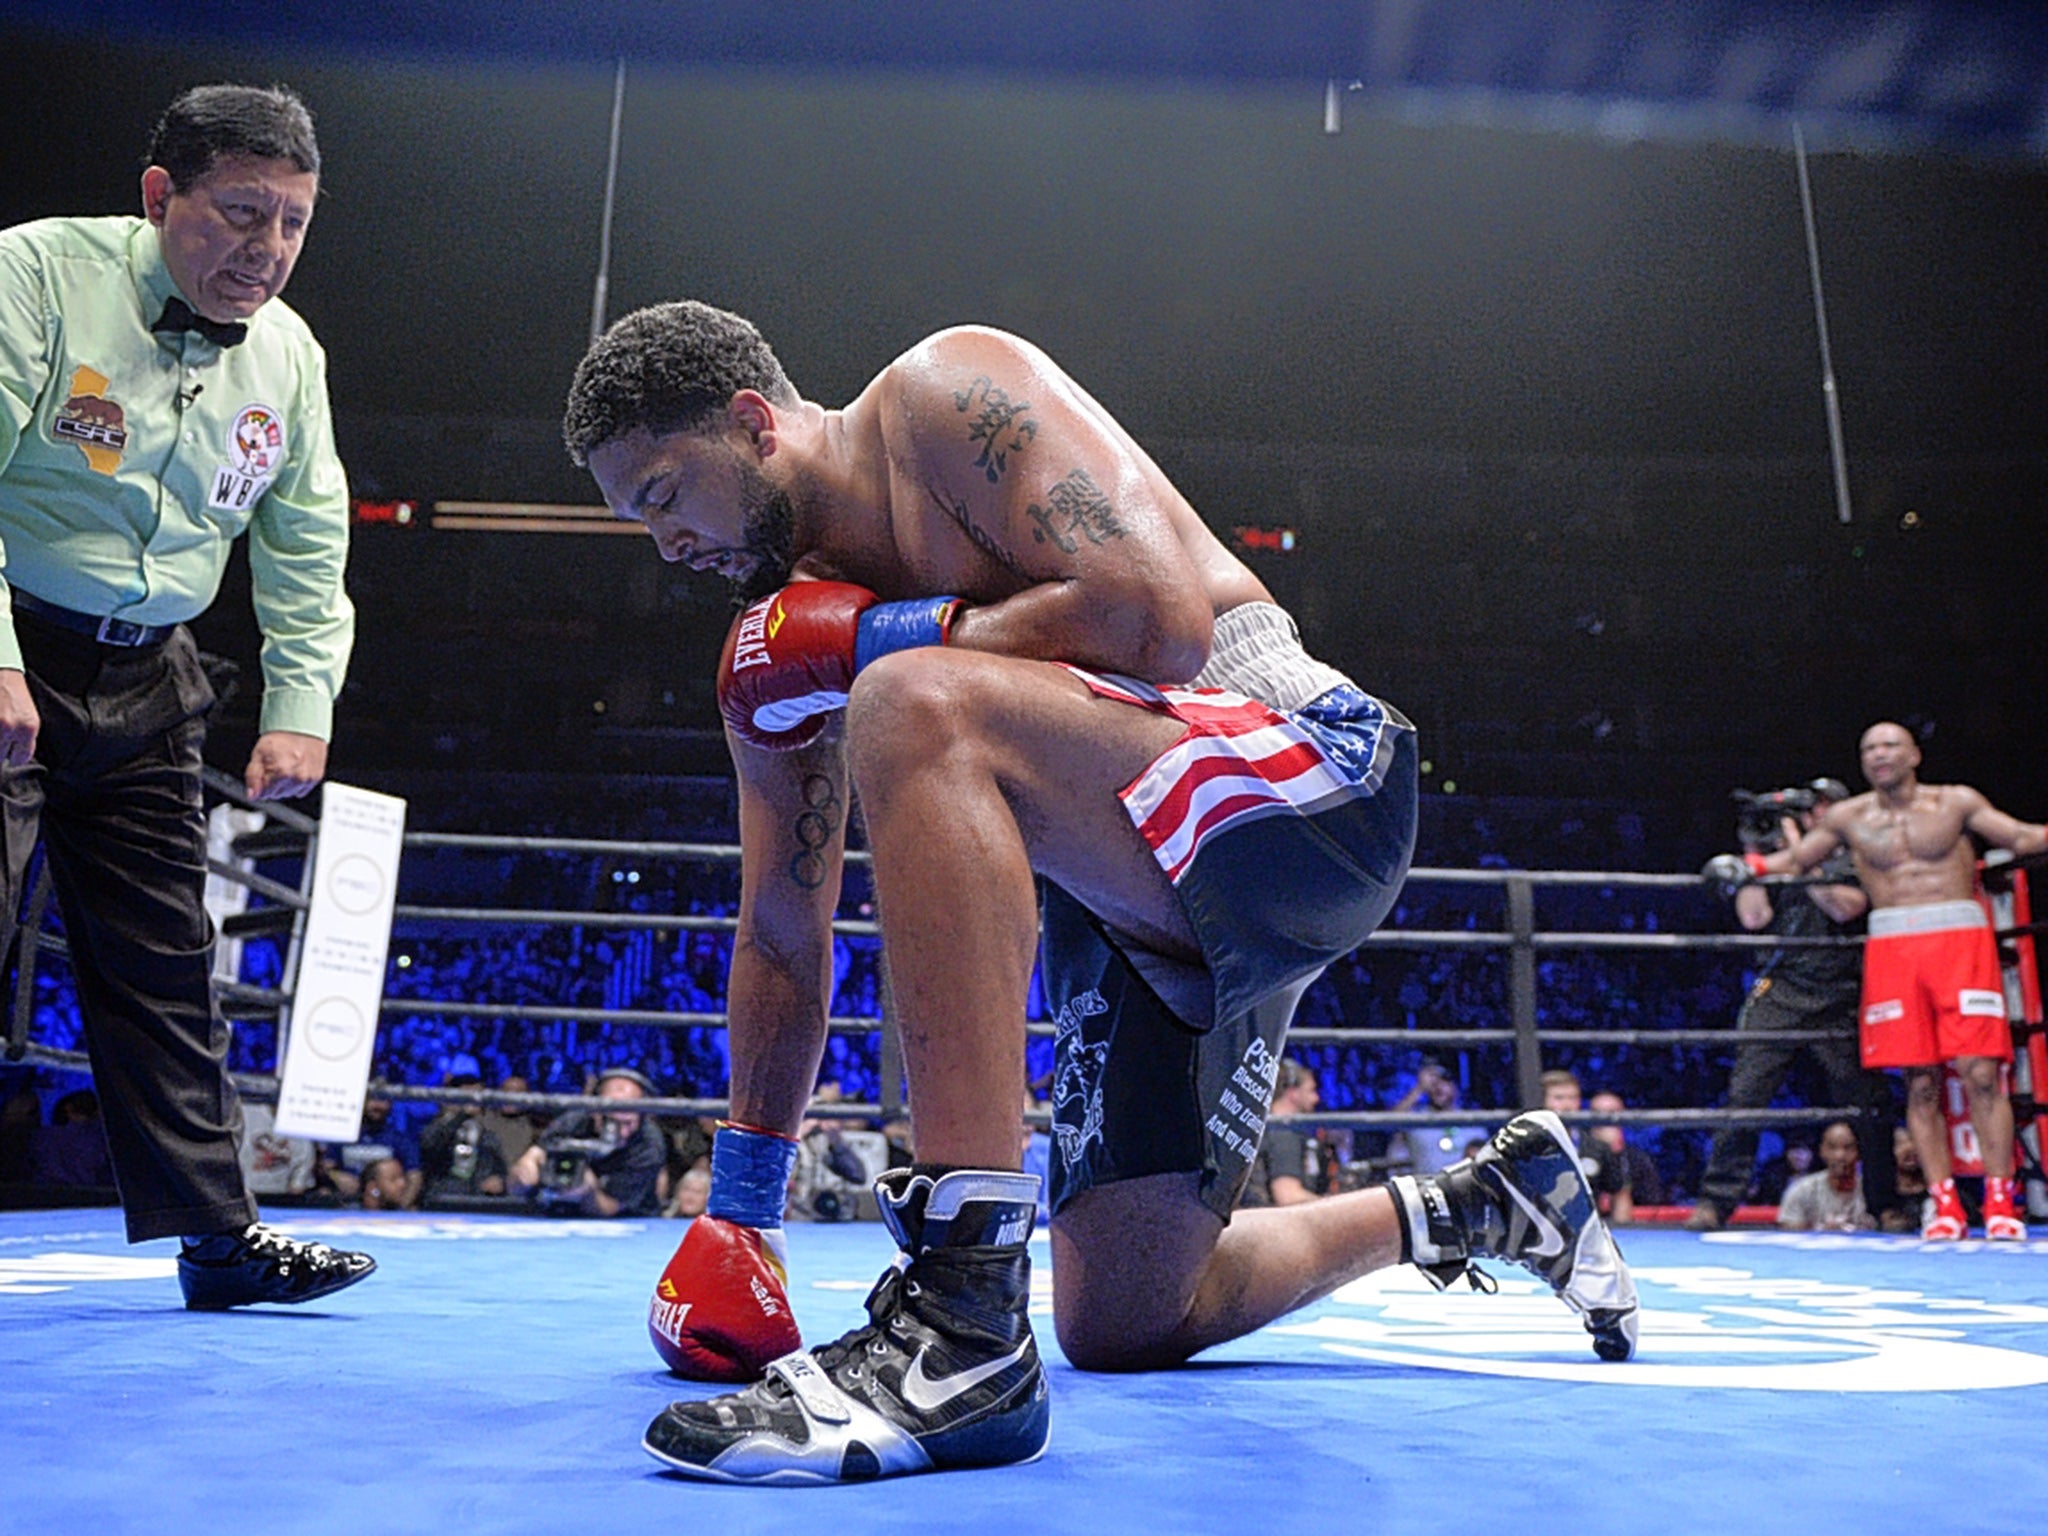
(1504,313)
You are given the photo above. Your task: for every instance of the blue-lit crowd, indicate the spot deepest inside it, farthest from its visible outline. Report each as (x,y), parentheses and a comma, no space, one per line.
(593,965)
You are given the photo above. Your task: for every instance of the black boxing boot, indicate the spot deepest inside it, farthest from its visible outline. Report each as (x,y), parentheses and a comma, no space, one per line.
(1524,1197)
(945,1374)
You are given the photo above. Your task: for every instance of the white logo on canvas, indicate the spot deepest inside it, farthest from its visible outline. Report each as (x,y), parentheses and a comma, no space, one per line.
(927,1396)
(42,1273)
(1744,1331)
(1079,1083)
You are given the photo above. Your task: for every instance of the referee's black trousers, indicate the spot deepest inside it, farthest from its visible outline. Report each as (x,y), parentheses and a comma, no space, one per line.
(115,792)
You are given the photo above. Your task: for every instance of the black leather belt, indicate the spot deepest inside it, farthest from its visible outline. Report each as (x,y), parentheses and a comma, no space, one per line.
(108,631)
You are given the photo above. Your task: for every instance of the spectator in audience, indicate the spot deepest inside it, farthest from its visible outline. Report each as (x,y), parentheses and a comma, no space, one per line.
(387,1185)
(514,1129)
(1280,1173)
(20,1118)
(272,1164)
(72,1149)
(1777,1173)
(1645,1182)
(1605,1169)
(340,1168)
(1433,1148)
(1830,1200)
(689,1145)
(692,1191)
(460,1156)
(1905,1213)
(598,1163)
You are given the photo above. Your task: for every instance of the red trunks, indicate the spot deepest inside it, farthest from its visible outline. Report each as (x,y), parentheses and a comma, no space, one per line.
(1932,991)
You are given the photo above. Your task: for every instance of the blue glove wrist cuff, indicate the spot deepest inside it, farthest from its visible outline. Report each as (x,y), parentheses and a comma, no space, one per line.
(888,627)
(750,1176)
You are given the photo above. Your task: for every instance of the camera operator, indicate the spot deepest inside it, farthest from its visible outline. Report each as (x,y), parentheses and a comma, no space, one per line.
(460,1156)
(830,1174)
(1797,988)
(598,1163)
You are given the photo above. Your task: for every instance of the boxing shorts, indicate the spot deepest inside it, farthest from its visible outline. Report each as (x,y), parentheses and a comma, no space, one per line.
(1284,819)
(1932,991)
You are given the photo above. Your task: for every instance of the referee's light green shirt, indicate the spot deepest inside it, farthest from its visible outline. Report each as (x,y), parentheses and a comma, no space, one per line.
(130,462)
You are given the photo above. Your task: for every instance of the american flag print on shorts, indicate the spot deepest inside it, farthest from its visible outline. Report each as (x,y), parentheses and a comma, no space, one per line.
(1241,760)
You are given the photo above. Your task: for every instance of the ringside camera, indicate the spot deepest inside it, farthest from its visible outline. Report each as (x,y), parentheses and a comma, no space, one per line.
(1760,814)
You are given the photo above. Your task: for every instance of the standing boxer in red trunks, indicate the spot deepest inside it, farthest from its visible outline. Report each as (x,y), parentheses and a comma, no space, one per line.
(1931,986)
(972,589)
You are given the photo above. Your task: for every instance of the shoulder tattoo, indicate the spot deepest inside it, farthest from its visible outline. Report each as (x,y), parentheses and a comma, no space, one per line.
(815,827)
(995,421)
(1074,509)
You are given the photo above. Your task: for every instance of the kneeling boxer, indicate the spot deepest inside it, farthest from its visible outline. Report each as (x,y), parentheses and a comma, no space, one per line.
(971,595)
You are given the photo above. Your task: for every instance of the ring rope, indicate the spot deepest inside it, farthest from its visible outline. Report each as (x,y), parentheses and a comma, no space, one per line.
(1520,937)
(263,1089)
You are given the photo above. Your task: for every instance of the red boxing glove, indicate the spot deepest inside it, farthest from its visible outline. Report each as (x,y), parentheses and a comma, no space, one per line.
(720,1311)
(790,658)
(789,661)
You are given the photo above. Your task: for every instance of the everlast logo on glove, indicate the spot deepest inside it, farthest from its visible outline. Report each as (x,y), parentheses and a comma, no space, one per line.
(790,659)
(666,1317)
(750,645)
(737,1317)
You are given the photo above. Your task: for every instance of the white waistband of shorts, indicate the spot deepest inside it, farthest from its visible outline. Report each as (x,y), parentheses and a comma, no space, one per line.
(1257,652)
(1935,917)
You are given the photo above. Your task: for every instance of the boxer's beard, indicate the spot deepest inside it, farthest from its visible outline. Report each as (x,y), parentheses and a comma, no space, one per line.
(768,537)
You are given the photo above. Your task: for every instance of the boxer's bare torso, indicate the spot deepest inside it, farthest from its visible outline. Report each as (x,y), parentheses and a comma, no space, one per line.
(1911,841)
(1911,850)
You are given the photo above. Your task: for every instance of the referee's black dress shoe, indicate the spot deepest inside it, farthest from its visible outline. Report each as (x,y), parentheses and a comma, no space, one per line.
(257,1264)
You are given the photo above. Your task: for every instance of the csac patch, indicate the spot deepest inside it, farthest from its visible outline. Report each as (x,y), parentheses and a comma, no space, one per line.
(256,452)
(97,425)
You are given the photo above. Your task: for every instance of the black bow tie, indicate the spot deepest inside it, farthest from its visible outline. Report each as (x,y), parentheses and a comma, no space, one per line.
(178,316)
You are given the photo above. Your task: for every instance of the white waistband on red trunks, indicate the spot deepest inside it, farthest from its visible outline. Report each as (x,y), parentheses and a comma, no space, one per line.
(1935,917)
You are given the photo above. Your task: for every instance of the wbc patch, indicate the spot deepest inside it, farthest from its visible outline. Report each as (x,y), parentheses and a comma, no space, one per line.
(97,425)
(1974,1002)
(256,452)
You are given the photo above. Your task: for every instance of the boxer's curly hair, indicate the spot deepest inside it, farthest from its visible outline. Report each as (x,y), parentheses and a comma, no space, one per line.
(668,368)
